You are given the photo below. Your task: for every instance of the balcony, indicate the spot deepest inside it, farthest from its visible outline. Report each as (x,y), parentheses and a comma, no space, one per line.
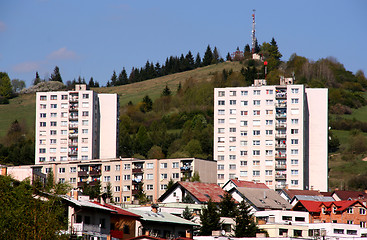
(281,105)
(280,145)
(73,135)
(83,173)
(280,185)
(137,170)
(95,173)
(280,166)
(137,181)
(280,156)
(281,125)
(73,117)
(81,184)
(280,115)
(73,144)
(73,99)
(73,153)
(82,227)
(281,95)
(186,169)
(280,135)
(73,125)
(280,176)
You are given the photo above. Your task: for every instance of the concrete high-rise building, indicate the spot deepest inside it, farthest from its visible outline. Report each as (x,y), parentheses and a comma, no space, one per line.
(76,125)
(275,134)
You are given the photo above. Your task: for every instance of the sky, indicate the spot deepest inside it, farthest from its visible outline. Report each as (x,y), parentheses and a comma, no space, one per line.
(91,38)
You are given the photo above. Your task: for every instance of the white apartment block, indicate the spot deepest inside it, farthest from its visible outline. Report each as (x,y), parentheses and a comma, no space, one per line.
(125,174)
(76,125)
(276,134)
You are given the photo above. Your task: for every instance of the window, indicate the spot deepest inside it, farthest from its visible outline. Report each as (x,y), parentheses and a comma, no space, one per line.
(232,139)
(232,166)
(42,124)
(256,123)
(150,187)
(232,148)
(232,102)
(220,176)
(175,164)
(64,97)
(294,90)
(221,112)
(232,111)
(149,176)
(256,163)
(257,92)
(117,188)
(42,141)
(163,175)
(362,224)
(221,102)
(221,93)
(63,149)
(256,112)
(294,182)
(349,222)
(220,148)
(53,124)
(269,142)
(351,232)
(61,170)
(256,173)
(269,122)
(294,131)
(362,211)
(243,133)
(163,165)
(232,157)
(221,120)
(220,158)
(72,180)
(127,177)
(85,114)
(256,152)
(53,132)
(269,132)
(243,163)
(350,210)
(294,151)
(243,123)
(107,168)
(85,104)
(268,163)
(243,143)
(84,149)
(294,141)
(232,120)
(269,102)
(52,159)
(294,172)
(85,122)
(243,173)
(256,102)
(149,165)
(243,153)
(295,100)
(64,114)
(220,167)
(294,111)
(43,97)
(107,179)
(64,123)
(294,161)
(52,141)
(64,132)
(294,121)
(53,105)
(42,150)
(163,186)
(338,231)
(269,152)
(244,93)
(268,172)
(85,131)
(256,142)
(232,129)
(244,113)
(72,169)
(42,115)
(232,93)
(175,175)
(42,133)
(269,91)
(244,103)
(220,130)
(221,139)
(64,105)
(117,178)
(42,106)
(269,112)
(85,96)
(61,180)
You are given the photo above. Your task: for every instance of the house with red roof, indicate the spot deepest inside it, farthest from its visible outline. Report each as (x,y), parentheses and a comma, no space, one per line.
(343,195)
(235,183)
(347,212)
(193,192)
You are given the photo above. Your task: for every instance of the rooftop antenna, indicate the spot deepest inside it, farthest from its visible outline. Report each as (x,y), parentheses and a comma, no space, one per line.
(253,32)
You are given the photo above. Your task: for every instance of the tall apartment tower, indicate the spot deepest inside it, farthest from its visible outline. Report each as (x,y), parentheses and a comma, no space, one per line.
(276,134)
(76,125)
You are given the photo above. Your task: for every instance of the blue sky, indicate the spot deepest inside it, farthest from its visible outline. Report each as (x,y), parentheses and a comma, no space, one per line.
(91,38)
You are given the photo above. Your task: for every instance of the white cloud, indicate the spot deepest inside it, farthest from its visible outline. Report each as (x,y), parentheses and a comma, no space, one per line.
(62,53)
(26,67)
(2,26)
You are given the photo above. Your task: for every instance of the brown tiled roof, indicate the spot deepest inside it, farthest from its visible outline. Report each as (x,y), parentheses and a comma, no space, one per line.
(248,184)
(354,195)
(118,210)
(292,192)
(204,191)
(327,194)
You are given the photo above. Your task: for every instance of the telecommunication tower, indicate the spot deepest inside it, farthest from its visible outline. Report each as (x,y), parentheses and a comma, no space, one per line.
(253,32)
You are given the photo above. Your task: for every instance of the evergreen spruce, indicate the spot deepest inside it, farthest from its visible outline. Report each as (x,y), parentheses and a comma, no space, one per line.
(208,56)
(166,91)
(37,79)
(91,82)
(227,206)
(215,55)
(245,225)
(56,76)
(113,79)
(229,58)
(210,219)
(187,214)
(198,62)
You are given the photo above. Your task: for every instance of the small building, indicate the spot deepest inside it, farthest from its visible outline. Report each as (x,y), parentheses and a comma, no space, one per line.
(285,230)
(281,217)
(342,195)
(335,231)
(235,183)
(193,192)
(289,194)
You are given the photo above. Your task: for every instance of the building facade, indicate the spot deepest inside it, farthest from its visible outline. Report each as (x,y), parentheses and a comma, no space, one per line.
(76,125)
(274,134)
(125,175)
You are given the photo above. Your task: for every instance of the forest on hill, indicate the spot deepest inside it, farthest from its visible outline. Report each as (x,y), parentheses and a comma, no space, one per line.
(178,121)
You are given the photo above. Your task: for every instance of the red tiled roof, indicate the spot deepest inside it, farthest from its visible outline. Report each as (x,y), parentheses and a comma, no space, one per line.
(292,192)
(204,191)
(345,195)
(118,210)
(248,184)
(314,206)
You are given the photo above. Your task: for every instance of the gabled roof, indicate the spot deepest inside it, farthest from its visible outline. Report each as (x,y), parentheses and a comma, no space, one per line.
(293,192)
(315,206)
(313,198)
(201,191)
(86,204)
(163,217)
(248,184)
(118,210)
(352,195)
(263,198)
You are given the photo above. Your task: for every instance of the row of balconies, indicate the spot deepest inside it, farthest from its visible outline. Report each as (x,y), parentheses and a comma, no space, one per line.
(89,173)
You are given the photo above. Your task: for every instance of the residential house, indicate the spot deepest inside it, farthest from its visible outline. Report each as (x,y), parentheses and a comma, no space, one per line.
(335,231)
(260,199)
(344,195)
(347,212)
(193,192)
(235,183)
(289,194)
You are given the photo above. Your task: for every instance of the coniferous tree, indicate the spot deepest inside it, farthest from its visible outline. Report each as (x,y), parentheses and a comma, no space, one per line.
(257,47)
(147,105)
(198,61)
(91,82)
(158,69)
(179,87)
(37,79)
(247,48)
(215,55)
(245,225)
(229,58)
(56,76)
(190,60)
(208,56)
(125,143)
(227,206)
(113,78)
(187,214)
(142,142)
(6,90)
(122,79)
(210,219)
(166,91)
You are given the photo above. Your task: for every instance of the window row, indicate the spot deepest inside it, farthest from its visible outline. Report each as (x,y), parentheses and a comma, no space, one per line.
(245,92)
(63,97)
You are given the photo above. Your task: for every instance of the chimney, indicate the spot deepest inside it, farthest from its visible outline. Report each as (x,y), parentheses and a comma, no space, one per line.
(75,195)
(155,207)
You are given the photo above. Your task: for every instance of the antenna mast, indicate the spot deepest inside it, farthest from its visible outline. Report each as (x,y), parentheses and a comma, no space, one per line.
(253,32)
